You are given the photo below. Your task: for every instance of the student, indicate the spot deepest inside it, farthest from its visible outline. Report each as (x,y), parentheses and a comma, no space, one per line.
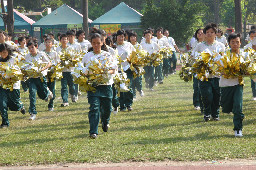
(55,43)
(125,49)
(137,83)
(54,58)
(210,90)
(174,48)
(4,39)
(42,45)
(232,91)
(150,47)
(252,35)
(100,101)
(67,78)
(221,38)
(197,102)
(85,44)
(9,99)
(36,85)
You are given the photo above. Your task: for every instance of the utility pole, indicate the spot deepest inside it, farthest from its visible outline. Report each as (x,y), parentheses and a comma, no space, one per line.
(238,16)
(85,18)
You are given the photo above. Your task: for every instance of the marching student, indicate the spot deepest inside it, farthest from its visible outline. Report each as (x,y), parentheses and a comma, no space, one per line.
(10,99)
(232,91)
(137,83)
(85,44)
(101,100)
(221,38)
(210,89)
(37,85)
(42,45)
(174,47)
(151,47)
(125,49)
(67,78)
(54,58)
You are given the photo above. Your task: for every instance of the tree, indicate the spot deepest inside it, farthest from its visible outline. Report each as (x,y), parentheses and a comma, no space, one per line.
(238,16)
(10,17)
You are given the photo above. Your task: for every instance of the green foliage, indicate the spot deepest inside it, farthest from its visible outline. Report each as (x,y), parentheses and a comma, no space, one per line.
(228,13)
(95,10)
(181,18)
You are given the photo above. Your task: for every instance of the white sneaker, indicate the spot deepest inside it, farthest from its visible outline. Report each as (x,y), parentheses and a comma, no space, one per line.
(151,89)
(115,111)
(238,133)
(254,98)
(74,98)
(141,93)
(32,116)
(79,93)
(197,108)
(49,97)
(50,109)
(64,104)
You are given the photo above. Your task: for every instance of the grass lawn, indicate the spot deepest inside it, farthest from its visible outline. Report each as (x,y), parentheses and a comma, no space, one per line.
(162,126)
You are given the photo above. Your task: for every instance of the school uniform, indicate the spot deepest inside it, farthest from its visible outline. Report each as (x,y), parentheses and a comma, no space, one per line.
(124,51)
(173,59)
(150,48)
(54,58)
(222,39)
(9,99)
(101,100)
(85,45)
(210,89)
(23,51)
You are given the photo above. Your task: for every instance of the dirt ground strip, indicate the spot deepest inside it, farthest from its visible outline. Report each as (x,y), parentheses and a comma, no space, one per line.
(170,165)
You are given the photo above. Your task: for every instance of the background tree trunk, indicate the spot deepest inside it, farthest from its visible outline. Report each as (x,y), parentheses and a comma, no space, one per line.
(217,12)
(85,18)
(238,16)
(10,16)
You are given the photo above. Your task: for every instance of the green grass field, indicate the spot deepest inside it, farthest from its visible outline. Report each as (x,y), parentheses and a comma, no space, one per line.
(162,126)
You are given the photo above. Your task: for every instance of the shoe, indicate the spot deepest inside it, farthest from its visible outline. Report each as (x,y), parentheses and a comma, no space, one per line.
(238,133)
(49,97)
(123,110)
(197,108)
(151,89)
(64,104)
(79,93)
(161,82)
(32,116)
(74,98)
(50,109)
(115,111)
(129,108)
(4,126)
(105,127)
(93,136)
(22,110)
(207,118)
(155,83)
(216,118)
(254,98)
(141,93)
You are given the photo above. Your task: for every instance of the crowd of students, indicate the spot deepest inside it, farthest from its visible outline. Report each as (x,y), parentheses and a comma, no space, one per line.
(113,52)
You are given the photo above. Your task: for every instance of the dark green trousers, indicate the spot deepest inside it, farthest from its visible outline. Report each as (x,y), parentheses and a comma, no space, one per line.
(232,101)
(137,84)
(115,99)
(159,73)
(9,99)
(100,107)
(173,62)
(149,76)
(51,86)
(166,66)
(196,94)
(126,98)
(25,85)
(210,92)
(67,81)
(36,86)
(253,86)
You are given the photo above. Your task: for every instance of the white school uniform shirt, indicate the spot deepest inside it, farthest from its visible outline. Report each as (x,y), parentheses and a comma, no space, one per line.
(53,56)
(192,41)
(59,51)
(42,47)
(171,43)
(23,51)
(137,46)
(222,39)
(75,46)
(124,51)
(11,44)
(103,57)
(232,81)
(162,42)
(216,47)
(85,45)
(13,62)
(150,47)
(40,57)
(249,45)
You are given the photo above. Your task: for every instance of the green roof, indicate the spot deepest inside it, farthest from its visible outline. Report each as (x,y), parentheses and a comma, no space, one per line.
(60,18)
(121,14)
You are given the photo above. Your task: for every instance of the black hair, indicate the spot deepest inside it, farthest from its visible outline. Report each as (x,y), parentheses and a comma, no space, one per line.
(132,34)
(120,32)
(28,37)
(197,33)
(159,29)
(146,32)
(114,38)
(70,33)
(253,27)
(252,32)
(3,47)
(79,32)
(97,35)
(220,31)
(49,38)
(45,35)
(21,39)
(34,43)
(1,31)
(63,35)
(10,34)
(234,36)
(128,32)
(51,34)
(109,41)
(210,26)
(151,29)
(59,34)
